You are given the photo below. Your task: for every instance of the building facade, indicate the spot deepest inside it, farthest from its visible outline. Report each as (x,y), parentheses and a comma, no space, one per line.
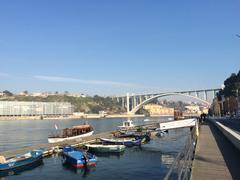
(24,108)
(157,110)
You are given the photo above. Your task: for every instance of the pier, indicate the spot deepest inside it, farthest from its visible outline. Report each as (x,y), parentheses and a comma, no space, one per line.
(50,148)
(215,156)
(54,147)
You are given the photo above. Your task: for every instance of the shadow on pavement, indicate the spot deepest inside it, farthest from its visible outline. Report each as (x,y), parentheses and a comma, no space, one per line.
(230,153)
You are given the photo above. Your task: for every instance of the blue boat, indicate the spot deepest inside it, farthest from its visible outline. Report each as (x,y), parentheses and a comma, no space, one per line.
(20,162)
(77,158)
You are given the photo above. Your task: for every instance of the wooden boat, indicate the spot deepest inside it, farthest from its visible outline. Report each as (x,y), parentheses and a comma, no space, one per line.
(77,158)
(20,162)
(106,148)
(123,141)
(72,133)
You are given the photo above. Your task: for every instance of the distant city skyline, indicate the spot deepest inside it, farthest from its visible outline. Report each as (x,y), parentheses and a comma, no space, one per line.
(115,47)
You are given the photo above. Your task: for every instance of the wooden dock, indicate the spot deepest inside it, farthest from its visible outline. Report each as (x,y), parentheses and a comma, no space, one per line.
(54,147)
(209,162)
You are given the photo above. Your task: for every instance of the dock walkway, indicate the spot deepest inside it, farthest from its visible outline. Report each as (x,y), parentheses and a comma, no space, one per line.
(215,157)
(50,148)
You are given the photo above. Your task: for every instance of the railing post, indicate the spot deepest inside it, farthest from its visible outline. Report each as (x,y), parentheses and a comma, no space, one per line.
(197,128)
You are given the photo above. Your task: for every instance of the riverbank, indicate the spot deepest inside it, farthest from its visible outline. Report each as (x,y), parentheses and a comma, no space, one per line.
(85,116)
(34,134)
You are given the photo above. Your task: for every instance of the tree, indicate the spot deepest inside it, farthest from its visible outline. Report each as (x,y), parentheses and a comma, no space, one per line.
(7,93)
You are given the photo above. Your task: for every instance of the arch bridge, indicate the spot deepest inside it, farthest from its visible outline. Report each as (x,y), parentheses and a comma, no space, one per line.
(134,102)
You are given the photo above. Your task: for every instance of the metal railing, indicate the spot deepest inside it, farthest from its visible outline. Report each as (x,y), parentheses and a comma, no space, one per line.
(181,166)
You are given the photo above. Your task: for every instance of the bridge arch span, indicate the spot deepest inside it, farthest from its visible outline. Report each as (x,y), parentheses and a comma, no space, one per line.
(135,109)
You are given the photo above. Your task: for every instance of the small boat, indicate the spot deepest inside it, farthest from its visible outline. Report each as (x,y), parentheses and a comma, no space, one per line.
(158,132)
(106,148)
(127,125)
(20,161)
(72,133)
(122,141)
(78,158)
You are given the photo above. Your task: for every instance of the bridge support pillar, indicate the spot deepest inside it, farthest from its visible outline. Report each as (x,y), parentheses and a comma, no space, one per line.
(198,94)
(134,101)
(123,103)
(128,103)
(205,95)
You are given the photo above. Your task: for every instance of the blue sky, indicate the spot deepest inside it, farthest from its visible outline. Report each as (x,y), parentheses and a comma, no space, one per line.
(113,47)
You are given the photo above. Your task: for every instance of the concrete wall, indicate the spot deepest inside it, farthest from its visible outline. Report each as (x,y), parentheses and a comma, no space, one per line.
(229,133)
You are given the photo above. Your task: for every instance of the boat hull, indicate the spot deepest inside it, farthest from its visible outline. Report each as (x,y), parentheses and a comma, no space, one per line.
(106,148)
(78,163)
(56,140)
(16,165)
(126,142)
(78,159)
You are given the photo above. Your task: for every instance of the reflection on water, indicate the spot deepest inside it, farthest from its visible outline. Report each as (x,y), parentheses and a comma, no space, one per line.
(108,154)
(150,161)
(84,172)
(21,133)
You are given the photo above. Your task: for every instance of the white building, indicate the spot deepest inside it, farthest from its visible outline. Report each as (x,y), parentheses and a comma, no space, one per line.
(192,109)
(24,108)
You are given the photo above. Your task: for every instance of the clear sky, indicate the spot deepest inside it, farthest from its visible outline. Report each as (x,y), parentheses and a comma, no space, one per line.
(117,46)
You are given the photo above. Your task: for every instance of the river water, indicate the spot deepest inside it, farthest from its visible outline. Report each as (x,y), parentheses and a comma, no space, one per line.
(150,161)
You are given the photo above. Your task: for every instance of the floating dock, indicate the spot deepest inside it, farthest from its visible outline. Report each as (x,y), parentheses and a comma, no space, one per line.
(50,148)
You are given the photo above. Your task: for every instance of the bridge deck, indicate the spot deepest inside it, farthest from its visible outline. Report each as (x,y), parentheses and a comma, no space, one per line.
(215,156)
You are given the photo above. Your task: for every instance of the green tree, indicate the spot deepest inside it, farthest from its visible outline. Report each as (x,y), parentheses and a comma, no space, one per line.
(7,93)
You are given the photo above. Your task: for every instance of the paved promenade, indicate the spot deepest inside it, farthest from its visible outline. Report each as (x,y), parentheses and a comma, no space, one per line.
(215,157)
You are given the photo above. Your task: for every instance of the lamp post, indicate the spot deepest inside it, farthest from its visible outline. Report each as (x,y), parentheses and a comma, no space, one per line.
(222,100)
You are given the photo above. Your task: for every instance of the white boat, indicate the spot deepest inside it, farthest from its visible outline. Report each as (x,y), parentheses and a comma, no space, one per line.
(72,133)
(106,148)
(127,125)
(122,141)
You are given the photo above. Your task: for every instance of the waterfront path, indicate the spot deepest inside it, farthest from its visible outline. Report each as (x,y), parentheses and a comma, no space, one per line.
(215,157)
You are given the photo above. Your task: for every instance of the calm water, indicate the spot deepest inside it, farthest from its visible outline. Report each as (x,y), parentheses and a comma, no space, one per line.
(151,161)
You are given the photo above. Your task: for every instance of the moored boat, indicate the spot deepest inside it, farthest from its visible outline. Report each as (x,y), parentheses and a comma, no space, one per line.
(122,141)
(112,148)
(132,134)
(20,162)
(127,125)
(77,158)
(72,133)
